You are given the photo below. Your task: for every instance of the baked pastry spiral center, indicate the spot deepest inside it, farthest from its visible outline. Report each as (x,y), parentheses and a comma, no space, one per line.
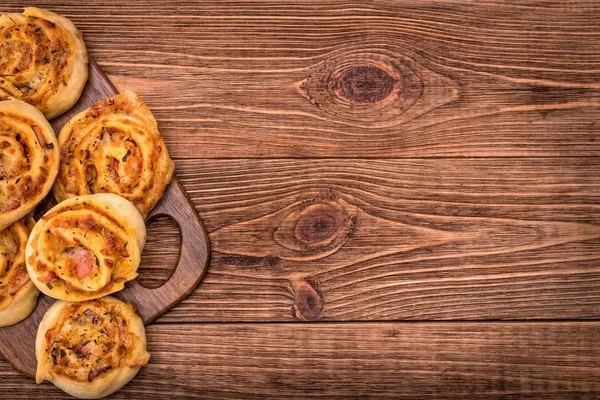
(26,152)
(91,338)
(43,60)
(34,52)
(114,147)
(83,249)
(86,247)
(112,161)
(12,158)
(13,273)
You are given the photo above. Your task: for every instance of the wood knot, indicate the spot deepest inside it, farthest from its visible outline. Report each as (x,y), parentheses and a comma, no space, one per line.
(364,84)
(316,228)
(308,229)
(308,301)
(319,223)
(372,88)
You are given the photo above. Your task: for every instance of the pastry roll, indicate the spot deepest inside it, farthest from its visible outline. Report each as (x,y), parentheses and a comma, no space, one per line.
(90,349)
(114,147)
(86,247)
(29,159)
(18,295)
(43,60)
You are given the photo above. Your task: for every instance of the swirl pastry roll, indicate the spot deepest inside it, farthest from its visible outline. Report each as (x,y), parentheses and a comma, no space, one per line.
(18,295)
(43,60)
(86,247)
(114,147)
(90,349)
(29,159)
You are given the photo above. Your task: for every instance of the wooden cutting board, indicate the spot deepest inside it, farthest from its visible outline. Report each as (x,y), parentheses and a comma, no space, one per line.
(17,342)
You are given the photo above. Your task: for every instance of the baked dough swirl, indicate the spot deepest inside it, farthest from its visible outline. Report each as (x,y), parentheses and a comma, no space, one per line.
(114,147)
(18,295)
(86,247)
(29,159)
(90,349)
(43,60)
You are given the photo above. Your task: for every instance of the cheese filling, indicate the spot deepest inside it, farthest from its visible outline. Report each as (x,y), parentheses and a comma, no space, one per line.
(89,339)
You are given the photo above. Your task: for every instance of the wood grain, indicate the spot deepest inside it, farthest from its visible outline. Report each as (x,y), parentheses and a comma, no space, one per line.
(468,191)
(397,239)
(161,251)
(359,361)
(346,79)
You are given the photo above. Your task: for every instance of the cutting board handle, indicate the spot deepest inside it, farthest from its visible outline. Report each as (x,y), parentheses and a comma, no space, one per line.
(193,257)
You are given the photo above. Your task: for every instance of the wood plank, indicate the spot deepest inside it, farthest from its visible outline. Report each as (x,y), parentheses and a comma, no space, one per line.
(345,79)
(396,239)
(351,361)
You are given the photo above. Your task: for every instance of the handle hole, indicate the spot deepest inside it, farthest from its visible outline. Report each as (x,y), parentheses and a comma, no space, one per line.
(161,253)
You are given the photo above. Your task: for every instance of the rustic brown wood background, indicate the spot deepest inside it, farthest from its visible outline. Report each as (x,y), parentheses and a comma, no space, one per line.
(403,197)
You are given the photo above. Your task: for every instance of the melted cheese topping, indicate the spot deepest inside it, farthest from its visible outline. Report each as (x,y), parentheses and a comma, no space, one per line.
(88,339)
(114,147)
(29,158)
(13,272)
(83,249)
(43,60)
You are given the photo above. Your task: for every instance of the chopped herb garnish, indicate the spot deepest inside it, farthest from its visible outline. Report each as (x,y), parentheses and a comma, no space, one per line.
(126,155)
(49,285)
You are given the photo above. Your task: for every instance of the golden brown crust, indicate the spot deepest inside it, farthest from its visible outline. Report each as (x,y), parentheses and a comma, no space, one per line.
(44,61)
(114,147)
(86,247)
(18,295)
(29,159)
(90,349)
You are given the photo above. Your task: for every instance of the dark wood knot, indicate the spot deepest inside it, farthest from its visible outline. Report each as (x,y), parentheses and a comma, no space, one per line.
(371,88)
(319,223)
(316,228)
(308,301)
(364,84)
(308,229)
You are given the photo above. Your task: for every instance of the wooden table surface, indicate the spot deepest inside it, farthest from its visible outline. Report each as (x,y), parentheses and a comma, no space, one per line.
(403,197)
